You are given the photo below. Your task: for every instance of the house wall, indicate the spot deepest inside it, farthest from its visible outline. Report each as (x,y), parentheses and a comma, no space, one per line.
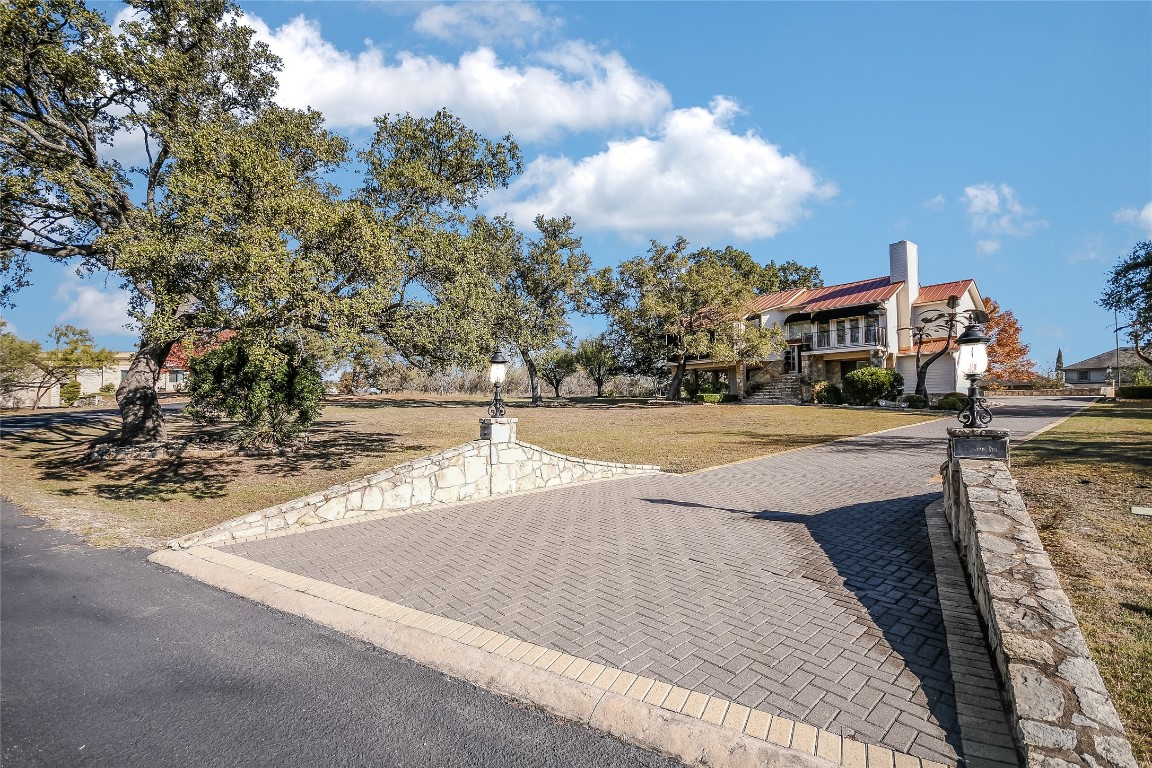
(25,397)
(942,375)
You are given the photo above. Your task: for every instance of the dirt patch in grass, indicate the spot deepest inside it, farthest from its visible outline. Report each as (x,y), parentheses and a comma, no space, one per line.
(146,502)
(1080,481)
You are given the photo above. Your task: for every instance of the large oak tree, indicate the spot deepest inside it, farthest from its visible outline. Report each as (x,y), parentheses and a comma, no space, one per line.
(225,221)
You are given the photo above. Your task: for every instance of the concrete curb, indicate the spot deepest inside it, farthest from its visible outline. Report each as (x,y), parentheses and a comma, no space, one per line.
(687,725)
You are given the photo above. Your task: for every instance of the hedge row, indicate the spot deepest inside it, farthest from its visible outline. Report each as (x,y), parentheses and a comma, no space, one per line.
(1134,393)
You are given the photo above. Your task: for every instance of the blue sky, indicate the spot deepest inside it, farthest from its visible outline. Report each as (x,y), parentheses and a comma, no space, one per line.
(1011,141)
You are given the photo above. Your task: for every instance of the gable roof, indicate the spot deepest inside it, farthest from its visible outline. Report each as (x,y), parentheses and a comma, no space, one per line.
(930,294)
(1128,359)
(871,291)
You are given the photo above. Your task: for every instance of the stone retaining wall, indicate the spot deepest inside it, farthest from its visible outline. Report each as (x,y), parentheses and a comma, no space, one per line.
(467,472)
(1059,708)
(1070,392)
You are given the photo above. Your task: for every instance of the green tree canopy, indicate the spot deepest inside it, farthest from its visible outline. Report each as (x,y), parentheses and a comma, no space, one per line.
(1129,294)
(228,222)
(671,305)
(537,282)
(555,366)
(598,360)
(18,360)
(73,350)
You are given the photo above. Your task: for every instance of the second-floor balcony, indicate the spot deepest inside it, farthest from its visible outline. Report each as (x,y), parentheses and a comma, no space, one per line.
(839,338)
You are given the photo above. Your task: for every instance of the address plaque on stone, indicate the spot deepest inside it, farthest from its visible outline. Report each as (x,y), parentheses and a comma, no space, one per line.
(979,448)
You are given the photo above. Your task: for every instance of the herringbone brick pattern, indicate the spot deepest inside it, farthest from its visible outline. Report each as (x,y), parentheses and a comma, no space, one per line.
(800,583)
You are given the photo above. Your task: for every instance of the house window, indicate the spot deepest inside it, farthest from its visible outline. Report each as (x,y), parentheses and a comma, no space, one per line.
(855,330)
(841,332)
(822,336)
(1083,375)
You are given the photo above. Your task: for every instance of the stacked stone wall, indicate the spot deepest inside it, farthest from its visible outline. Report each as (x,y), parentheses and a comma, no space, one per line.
(1060,710)
(467,472)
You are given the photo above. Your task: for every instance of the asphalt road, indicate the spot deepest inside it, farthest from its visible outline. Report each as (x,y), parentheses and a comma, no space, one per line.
(108,660)
(10,425)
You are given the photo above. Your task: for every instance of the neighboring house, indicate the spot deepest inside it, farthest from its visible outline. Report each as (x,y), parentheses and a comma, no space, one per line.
(173,378)
(834,330)
(24,396)
(1098,370)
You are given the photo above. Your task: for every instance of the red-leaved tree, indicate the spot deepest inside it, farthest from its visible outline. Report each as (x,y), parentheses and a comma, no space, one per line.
(1007,355)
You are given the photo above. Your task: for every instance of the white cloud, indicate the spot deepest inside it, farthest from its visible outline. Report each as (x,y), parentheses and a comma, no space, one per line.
(1141,218)
(99,311)
(574,87)
(935,203)
(486,22)
(694,177)
(995,209)
(987,247)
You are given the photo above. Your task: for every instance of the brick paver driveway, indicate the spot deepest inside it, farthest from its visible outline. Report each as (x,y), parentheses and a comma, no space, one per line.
(800,583)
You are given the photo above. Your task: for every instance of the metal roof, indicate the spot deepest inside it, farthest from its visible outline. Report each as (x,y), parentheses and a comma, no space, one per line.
(941,291)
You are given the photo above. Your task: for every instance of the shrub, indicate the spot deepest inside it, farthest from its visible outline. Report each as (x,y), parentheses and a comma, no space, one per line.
(70,392)
(953,401)
(914,401)
(1134,393)
(709,397)
(108,389)
(827,393)
(274,392)
(866,386)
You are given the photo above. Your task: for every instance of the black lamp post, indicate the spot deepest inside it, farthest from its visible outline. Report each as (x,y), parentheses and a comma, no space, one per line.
(496,375)
(973,363)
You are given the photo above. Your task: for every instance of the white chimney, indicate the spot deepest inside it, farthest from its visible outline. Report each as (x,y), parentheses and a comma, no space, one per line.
(903,265)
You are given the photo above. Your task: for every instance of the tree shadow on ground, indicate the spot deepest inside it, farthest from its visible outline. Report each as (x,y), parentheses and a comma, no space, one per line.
(881,553)
(371,403)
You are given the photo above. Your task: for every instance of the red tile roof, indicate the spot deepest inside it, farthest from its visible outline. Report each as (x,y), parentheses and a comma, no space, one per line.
(941,291)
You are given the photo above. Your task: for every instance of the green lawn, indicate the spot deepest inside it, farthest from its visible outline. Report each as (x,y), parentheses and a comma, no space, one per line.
(149,501)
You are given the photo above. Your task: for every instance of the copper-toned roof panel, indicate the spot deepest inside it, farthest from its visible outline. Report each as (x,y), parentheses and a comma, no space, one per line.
(941,291)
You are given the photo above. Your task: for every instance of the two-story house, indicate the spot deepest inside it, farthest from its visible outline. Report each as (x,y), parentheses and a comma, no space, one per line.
(833,330)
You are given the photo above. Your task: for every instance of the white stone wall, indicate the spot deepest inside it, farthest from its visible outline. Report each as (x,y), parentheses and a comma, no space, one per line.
(467,472)
(1059,707)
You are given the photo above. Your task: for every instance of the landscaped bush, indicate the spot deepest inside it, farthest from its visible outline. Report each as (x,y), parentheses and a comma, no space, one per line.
(953,401)
(827,393)
(1134,393)
(70,392)
(716,397)
(866,386)
(108,389)
(914,401)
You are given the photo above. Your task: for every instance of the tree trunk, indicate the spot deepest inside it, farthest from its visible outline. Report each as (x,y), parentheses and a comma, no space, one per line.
(556,386)
(140,414)
(1140,353)
(677,378)
(533,377)
(922,370)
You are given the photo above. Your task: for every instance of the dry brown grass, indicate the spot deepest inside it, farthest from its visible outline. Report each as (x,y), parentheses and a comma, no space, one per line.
(1080,482)
(145,502)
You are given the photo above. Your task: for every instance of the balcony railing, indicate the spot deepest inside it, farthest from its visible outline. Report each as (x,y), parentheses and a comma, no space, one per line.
(841,338)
